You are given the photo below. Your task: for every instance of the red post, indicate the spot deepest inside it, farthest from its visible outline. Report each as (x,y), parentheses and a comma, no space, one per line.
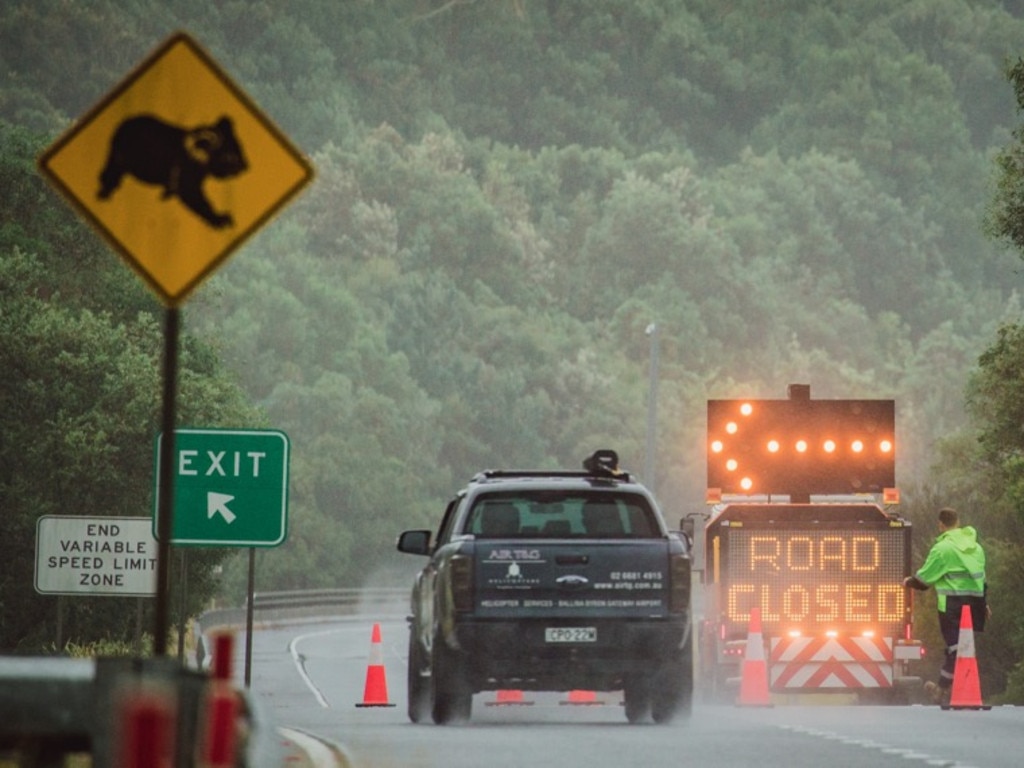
(147,736)
(220,739)
(223,651)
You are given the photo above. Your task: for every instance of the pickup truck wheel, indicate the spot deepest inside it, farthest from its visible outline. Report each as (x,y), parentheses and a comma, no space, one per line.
(673,693)
(418,681)
(451,696)
(637,698)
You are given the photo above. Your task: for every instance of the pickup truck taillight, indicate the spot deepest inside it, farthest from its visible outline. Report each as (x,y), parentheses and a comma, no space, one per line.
(679,583)
(462,582)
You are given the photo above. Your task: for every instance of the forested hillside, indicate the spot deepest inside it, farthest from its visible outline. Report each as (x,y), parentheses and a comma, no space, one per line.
(509,193)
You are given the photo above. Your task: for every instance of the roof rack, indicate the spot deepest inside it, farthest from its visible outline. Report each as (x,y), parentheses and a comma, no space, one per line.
(489,474)
(603,464)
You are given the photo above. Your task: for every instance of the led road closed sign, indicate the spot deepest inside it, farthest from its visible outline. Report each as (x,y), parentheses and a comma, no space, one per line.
(842,570)
(230,487)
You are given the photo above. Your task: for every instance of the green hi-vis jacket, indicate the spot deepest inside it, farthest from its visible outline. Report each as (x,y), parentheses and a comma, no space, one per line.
(955,565)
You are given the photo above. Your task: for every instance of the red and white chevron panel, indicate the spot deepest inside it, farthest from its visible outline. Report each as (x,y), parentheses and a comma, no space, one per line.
(830,663)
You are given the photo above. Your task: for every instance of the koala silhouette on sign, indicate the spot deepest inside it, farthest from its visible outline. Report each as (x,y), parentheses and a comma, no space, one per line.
(177,159)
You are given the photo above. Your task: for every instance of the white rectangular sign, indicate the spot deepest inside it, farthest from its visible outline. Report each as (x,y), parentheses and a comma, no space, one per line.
(95,555)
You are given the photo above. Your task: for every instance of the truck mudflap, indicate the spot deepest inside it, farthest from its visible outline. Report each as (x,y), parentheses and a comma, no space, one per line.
(552,579)
(830,663)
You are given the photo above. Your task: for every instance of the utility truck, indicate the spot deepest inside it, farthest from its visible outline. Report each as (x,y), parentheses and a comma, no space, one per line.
(803,526)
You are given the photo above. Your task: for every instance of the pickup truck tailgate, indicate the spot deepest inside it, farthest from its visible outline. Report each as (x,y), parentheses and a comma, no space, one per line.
(595,579)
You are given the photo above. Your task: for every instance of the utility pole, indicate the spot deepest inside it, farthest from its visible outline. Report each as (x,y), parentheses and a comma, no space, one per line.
(652,409)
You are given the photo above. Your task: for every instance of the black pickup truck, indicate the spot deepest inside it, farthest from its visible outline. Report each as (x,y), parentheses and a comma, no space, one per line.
(551,581)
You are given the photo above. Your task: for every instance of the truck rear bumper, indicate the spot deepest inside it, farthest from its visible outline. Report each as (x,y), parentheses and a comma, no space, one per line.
(499,654)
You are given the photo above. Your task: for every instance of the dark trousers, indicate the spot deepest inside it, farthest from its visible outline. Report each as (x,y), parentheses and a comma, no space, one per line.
(949,625)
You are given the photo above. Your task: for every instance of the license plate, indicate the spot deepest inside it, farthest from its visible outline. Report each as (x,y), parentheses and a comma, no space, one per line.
(570,635)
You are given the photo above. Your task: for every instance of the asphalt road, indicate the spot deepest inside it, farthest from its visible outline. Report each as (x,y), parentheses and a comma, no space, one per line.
(309,678)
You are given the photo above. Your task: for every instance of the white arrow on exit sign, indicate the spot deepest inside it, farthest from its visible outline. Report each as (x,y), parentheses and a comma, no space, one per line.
(217,504)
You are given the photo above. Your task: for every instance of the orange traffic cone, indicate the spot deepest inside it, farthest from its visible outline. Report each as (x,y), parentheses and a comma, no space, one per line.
(966,693)
(754,679)
(509,698)
(375,693)
(582,698)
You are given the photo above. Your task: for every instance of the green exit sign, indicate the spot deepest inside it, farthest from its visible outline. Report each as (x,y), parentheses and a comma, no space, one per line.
(230,487)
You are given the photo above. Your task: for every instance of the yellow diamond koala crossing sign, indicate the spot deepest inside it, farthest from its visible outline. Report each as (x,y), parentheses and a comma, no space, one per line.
(175,168)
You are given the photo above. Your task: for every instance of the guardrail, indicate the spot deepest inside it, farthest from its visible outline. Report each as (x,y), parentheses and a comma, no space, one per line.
(305,603)
(347,599)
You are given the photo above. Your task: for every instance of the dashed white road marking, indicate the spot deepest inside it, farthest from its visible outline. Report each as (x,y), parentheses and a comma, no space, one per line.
(885,749)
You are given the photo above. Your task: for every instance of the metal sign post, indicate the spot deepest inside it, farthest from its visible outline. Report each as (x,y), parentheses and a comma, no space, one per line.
(165,501)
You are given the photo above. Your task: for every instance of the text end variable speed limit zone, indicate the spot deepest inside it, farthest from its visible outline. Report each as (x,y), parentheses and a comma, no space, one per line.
(95,555)
(230,487)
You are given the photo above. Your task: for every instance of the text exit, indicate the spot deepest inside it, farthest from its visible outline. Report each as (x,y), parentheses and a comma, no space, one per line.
(192,464)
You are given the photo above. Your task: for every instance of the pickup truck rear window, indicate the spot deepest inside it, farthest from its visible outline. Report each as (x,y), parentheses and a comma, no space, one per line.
(550,515)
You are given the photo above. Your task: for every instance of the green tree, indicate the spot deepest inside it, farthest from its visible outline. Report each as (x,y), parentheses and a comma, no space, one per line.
(1006,211)
(83,408)
(82,346)
(996,402)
